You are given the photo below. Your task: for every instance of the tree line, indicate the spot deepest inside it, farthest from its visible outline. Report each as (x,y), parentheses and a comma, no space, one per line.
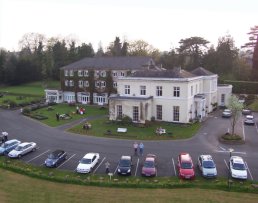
(41,59)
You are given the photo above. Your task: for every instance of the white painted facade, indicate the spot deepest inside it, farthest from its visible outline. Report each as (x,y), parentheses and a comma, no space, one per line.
(166,99)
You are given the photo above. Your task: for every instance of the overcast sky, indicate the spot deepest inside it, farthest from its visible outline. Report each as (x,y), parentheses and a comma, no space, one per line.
(162,23)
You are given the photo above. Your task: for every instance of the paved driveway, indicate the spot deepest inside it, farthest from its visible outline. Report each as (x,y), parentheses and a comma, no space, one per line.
(204,142)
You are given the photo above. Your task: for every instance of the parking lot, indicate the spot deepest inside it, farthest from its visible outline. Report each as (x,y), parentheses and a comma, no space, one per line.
(111,150)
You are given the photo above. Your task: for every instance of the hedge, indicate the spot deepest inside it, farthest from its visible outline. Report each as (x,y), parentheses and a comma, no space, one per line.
(243,87)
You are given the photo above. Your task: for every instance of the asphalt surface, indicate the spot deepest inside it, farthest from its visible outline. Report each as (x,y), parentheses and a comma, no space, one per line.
(204,142)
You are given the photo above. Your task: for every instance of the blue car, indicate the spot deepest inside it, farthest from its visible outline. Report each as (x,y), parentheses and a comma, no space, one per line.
(55,158)
(8,146)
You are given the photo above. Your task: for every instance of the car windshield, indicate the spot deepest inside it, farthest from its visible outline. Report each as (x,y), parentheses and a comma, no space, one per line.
(239,166)
(19,148)
(52,156)
(86,161)
(208,164)
(186,165)
(149,164)
(124,163)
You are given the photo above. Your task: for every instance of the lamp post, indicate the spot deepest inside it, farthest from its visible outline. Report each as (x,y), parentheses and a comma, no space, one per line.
(229,181)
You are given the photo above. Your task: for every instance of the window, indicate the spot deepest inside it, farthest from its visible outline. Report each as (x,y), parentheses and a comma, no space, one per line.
(127,89)
(71,72)
(86,83)
(115,84)
(103,74)
(191,90)
(86,73)
(66,72)
(222,98)
(96,73)
(142,90)
(159,112)
(119,111)
(122,74)
(97,83)
(115,74)
(159,91)
(135,113)
(80,83)
(103,84)
(71,83)
(175,113)
(176,91)
(66,83)
(80,73)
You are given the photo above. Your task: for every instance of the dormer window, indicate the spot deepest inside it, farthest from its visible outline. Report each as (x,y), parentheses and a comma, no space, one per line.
(86,73)
(66,72)
(71,72)
(80,73)
(115,74)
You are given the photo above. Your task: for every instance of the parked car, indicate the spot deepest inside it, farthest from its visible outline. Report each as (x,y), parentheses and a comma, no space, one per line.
(149,166)
(8,146)
(185,166)
(125,165)
(227,113)
(55,158)
(246,111)
(87,163)
(237,167)
(207,166)
(22,149)
(249,120)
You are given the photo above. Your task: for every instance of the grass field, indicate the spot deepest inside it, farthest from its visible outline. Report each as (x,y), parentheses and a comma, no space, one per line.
(35,88)
(19,188)
(133,132)
(66,109)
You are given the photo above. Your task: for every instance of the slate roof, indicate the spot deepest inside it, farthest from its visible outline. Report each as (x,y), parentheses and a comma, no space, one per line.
(202,72)
(112,63)
(175,73)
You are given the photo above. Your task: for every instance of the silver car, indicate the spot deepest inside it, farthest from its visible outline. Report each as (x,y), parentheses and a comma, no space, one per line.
(249,120)
(22,149)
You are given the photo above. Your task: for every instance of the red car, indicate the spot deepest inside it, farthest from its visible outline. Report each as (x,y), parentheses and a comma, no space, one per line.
(185,166)
(149,167)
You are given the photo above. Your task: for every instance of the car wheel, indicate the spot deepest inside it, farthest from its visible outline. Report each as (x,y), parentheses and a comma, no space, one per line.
(34,149)
(19,156)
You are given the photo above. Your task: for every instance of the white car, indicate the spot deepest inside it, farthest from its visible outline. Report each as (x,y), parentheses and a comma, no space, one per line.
(227,113)
(22,149)
(237,168)
(249,120)
(207,166)
(87,163)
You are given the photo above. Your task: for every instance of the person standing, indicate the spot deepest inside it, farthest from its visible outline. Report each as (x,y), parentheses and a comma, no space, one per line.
(135,146)
(107,165)
(141,146)
(57,116)
(5,136)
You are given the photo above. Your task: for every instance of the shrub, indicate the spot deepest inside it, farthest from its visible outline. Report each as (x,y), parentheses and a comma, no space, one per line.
(39,117)
(26,111)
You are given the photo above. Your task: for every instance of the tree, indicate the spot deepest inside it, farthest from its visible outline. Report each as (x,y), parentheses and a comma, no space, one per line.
(124,51)
(169,59)
(3,59)
(115,48)
(191,51)
(100,51)
(226,54)
(31,40)
(236,107)
(142,48)
(252,46)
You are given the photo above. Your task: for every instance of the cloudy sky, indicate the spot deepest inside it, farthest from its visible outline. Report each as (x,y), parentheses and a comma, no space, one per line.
(162,23)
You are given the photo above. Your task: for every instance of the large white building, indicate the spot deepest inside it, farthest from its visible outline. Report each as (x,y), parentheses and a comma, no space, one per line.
(169,95)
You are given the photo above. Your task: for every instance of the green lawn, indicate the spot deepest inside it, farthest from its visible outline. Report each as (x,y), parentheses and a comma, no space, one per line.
(19,188)
(17,99)
(254,105)
(35,88)
(100,127)
(66,109)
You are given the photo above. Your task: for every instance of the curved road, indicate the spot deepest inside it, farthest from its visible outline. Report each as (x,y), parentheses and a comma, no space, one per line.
(204,142)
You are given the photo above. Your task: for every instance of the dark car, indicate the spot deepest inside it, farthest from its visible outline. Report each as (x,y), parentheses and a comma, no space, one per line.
(246,112)
(125,165)
(55,158)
